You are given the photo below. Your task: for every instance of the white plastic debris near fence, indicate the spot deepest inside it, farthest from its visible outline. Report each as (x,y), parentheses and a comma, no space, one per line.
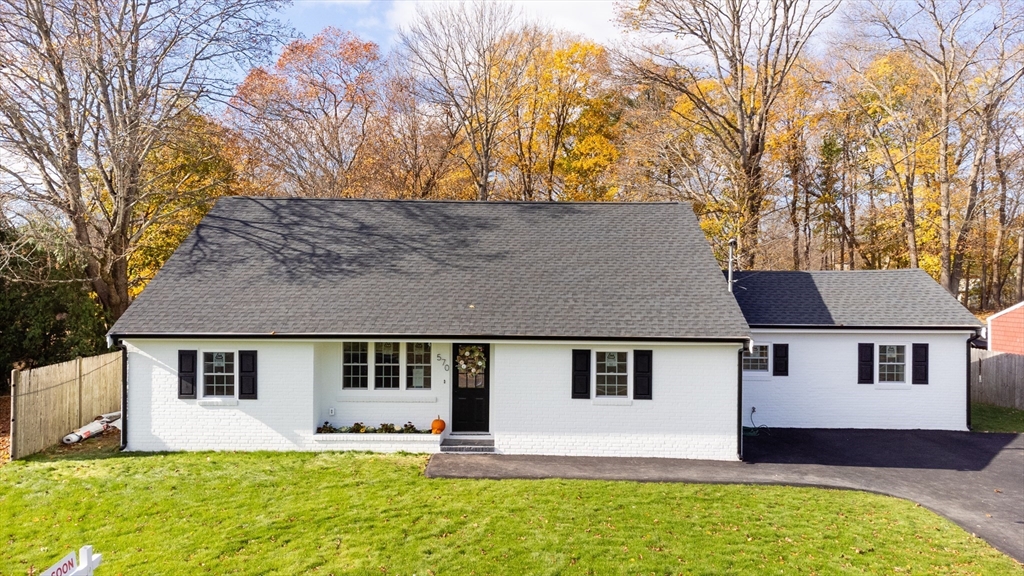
(69,566)
(101,424)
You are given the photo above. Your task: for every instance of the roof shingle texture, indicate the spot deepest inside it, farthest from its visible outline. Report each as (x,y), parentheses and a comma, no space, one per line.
(305,266)
(869,298)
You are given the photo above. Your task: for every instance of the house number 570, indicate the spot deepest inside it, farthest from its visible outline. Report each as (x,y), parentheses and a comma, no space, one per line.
(445,363)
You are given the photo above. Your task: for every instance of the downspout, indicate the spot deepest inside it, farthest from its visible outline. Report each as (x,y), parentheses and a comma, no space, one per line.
(970,344)
(739,366)
(739,403)
(124,394)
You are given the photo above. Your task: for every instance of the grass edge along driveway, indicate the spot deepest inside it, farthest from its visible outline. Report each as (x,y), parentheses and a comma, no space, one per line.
(358,513)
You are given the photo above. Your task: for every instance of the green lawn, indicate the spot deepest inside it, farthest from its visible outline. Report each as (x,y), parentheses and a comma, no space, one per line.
(344,513)
(988,418)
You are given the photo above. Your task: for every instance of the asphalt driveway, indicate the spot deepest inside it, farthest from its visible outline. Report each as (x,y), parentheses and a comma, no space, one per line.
(974,479)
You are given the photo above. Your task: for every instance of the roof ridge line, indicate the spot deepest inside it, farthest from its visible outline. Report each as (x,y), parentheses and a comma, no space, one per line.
(443,201)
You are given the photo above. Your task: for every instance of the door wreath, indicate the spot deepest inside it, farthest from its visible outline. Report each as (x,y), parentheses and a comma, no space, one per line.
(471,360)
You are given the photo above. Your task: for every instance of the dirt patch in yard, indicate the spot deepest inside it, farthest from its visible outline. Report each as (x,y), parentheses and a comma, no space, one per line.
(5,429)
(98,446)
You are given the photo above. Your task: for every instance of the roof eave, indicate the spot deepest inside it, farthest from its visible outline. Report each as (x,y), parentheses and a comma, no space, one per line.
(971,327)
(116,337)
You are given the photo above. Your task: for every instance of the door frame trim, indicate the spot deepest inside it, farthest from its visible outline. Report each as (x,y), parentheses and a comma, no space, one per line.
(455,384)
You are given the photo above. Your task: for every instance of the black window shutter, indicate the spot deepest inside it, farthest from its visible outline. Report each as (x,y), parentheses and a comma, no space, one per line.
(246,374)
(865,363)
(780,359)
(920,375)
(642,370)
(187,373)
(581,374)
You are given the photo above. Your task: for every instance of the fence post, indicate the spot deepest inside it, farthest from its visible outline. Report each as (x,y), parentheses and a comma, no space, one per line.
(14,397)
(78,381)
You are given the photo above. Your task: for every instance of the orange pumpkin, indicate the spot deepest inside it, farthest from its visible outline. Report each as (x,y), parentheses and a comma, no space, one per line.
(437,426)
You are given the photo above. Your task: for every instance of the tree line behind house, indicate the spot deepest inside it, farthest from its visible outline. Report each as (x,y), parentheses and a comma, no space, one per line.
(872,134)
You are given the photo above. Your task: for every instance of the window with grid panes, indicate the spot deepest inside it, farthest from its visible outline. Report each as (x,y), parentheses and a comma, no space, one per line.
(354,367)
(892,363)
(218,373)
(757,359)
(612,374)
(387,365)
(417,365)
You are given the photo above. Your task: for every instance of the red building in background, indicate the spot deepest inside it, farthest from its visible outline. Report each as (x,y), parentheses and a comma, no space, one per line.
(1006,330)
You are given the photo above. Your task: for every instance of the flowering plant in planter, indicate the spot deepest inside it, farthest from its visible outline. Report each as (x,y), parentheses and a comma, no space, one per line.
(360,428)
(471,360)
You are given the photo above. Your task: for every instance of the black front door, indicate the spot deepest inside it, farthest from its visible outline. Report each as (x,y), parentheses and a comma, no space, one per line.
(470,391)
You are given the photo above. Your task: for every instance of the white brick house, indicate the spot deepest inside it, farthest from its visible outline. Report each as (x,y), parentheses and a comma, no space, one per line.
(865,349)
(598,329)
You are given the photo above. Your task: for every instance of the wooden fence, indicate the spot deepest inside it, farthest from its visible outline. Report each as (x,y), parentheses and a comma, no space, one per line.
(49,402)
(997,378)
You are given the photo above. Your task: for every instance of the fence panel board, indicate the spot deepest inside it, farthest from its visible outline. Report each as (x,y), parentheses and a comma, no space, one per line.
(997,378)
(50,401)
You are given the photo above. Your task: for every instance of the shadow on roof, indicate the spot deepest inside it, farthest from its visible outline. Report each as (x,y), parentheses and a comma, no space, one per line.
(327,240)
(792,298)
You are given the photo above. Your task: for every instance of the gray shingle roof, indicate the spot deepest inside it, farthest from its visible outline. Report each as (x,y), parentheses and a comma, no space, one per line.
(304,266)
(870,298)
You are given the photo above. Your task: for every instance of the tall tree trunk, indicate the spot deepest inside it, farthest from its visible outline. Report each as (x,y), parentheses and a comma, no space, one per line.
(945,207)
(1020,267)
(997,248)
(975,183)
(910,217)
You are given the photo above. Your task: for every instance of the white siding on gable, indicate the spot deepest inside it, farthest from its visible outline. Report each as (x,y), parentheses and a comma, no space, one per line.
(692,413)
(821,390)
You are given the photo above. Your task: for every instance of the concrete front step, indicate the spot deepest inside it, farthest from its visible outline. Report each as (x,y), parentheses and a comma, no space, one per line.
(468,444)
(467,449)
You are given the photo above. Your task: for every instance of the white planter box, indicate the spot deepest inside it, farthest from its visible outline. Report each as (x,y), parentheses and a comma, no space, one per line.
(421,443)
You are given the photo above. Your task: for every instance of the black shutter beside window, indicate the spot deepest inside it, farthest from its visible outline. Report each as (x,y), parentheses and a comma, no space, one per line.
(920,370)
(246,374)
(187,374)
(642,370)
(581,374)
(865,363)
(780,359)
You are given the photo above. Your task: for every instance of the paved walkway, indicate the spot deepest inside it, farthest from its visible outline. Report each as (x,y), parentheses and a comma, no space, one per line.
(975,480)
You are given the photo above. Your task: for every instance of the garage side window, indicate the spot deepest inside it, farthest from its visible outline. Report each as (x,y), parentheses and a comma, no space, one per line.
(756,360)
(892,363)
(612,374)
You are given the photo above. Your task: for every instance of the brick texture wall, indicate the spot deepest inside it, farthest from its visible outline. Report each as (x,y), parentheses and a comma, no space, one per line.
(821,390)
(692,415)
(282,418)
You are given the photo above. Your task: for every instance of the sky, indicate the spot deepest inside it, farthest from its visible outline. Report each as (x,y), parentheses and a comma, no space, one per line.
(380,20)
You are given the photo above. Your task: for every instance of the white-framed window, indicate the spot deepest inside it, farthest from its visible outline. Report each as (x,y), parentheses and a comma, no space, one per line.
(219,374)
(892,363)
(387,365)
(612,374)
(417,366)
(756,359)
(355,367)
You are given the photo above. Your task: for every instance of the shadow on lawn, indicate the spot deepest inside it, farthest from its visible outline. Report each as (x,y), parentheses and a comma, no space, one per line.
(926,449)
